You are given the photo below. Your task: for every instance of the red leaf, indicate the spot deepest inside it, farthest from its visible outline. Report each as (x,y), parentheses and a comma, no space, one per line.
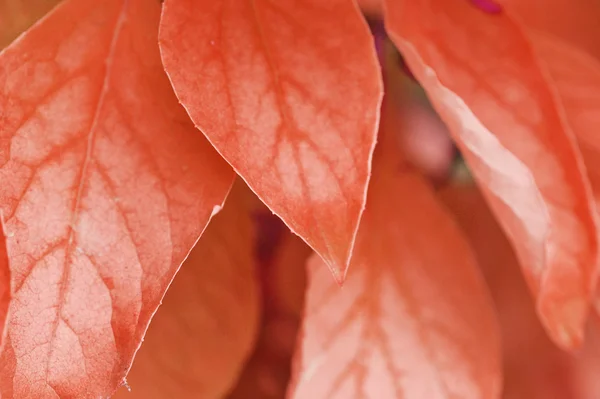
(106,186)
(576,77)
(18,15)
(413,319)
(578,21)
(288,92)
(485,82)
(534,368)
(5,288)
(207,326)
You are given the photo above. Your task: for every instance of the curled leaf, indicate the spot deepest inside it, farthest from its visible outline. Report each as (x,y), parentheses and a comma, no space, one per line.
(289,93)
(413,319)
(207,326)
(485,81)
(106,186)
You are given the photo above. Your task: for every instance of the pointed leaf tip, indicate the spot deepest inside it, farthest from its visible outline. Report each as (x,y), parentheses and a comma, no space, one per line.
(106,186)
(288,92)
(413,320)
(205,330)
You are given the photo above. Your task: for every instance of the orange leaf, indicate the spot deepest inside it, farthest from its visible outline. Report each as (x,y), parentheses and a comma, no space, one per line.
(413,319)
(5,289)
(207,326)
(534,368)
(576,77)
(587,364)
(18,15)
(106,186)
(485,82)
(577,21)
(289,93)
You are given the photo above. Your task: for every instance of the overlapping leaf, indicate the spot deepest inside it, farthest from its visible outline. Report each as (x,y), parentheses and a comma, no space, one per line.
(577,22)
(576,77)
(207,325)
(288,92)
(106,186)
(485,81)
(413,319)
(534,368)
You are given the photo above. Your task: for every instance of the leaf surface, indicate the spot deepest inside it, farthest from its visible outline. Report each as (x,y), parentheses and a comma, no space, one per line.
(289,93)
(486,83)
(207,326)
(576,77)
(413,319)
(534,368)
(106,186)
(5,288)
(577,22)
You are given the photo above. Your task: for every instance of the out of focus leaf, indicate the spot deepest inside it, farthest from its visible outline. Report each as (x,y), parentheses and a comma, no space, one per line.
(206,328)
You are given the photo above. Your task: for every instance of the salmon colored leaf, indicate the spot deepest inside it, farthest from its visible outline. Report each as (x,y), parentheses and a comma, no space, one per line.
(289,93)
(534,368)
(18,15)
(413,319)
(576,76)
(5,288)
(207,326)
(577,22)
(106,186)
(486,83)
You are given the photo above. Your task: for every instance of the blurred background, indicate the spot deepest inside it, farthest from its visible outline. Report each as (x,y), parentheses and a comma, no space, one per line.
(534,368)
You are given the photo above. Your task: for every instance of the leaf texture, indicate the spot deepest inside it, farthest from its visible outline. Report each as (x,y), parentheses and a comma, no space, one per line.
(207,326)
(413,319)
(576,76)
(106,186)
(5,287)
(534,368)
(486,83)
(577,22)
(289,93)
